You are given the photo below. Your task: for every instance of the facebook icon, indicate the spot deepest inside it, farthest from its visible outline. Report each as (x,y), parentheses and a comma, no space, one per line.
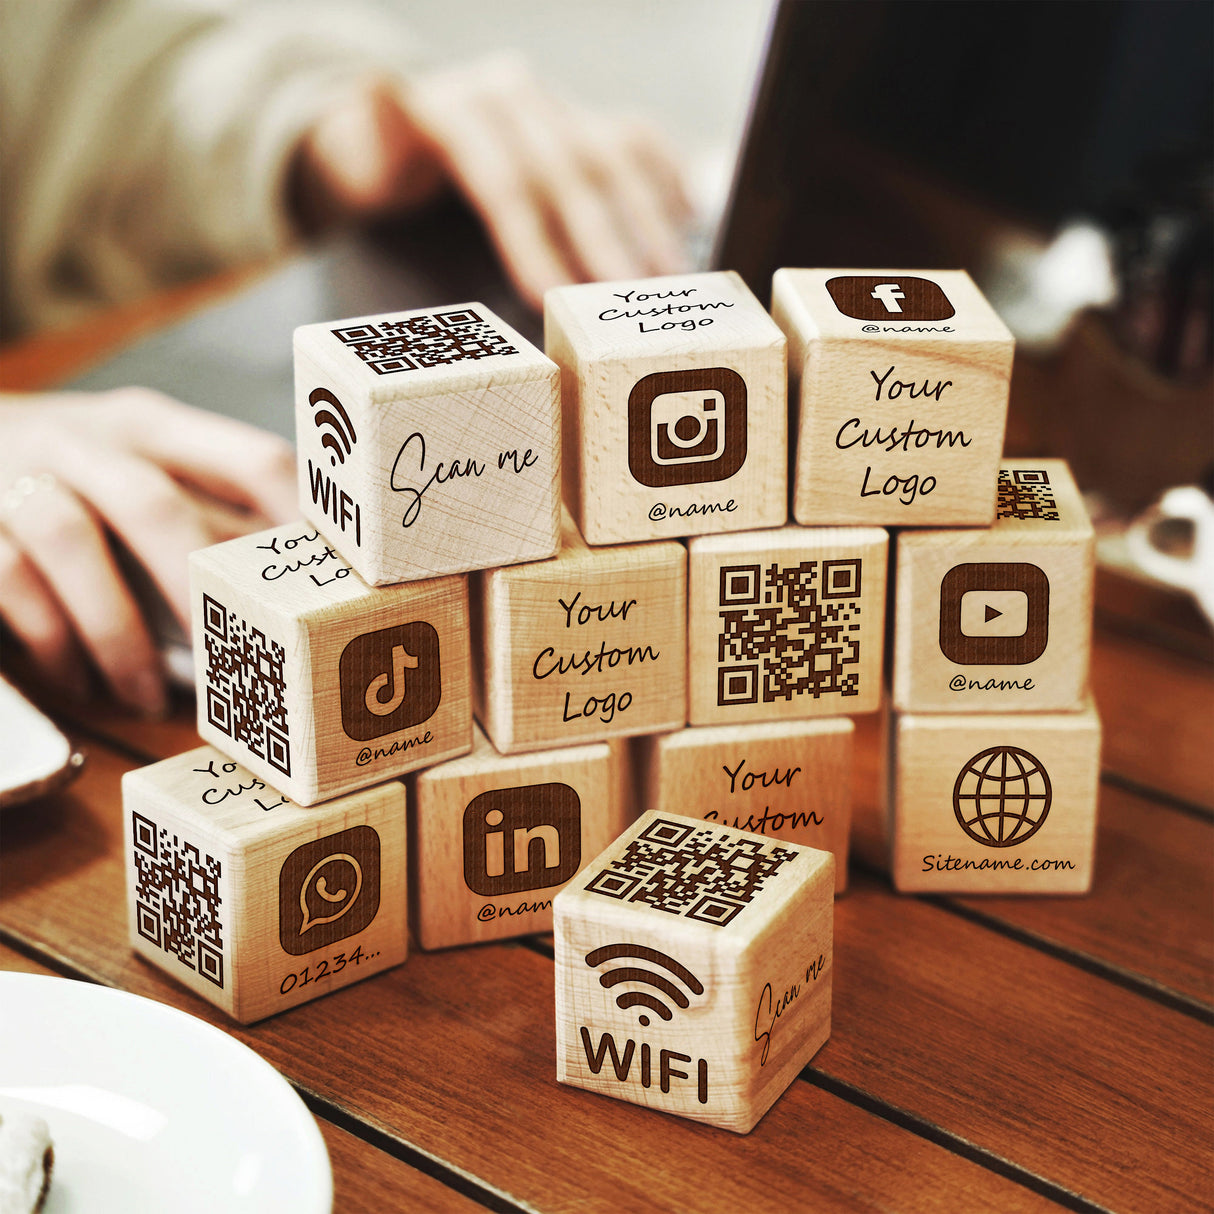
(889,297)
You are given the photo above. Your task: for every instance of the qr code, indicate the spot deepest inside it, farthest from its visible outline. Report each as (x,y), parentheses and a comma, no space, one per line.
(415,342)
(246,692)
(177,898)
(696,872)
(1025,493)
(788,631)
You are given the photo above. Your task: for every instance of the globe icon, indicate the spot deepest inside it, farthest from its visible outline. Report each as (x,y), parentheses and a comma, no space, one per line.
(1002,796)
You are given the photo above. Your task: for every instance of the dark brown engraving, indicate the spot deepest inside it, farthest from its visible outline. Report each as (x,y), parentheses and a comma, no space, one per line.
(889,297)
(518,839)
(1006,622)
(390,680)
(328,890)
(1002,796)
(687,427)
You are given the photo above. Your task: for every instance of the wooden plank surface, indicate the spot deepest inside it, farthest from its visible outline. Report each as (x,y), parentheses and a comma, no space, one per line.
(934,1015)
(1158,710)
(458,1065)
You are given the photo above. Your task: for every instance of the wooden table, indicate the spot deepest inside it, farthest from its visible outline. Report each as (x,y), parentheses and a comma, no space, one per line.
(987,1053)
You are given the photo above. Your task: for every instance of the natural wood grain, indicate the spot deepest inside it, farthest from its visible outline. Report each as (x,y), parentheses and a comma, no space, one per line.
(415,465)
(1102,1090)
(784,779)
(1031,578)
(472,1083)
(588,646)
(494,837)
(898,401)
(674,403)
(949,834)
(367,1180)
(785,623)
(730,960)
(288,903)
(1158,709)
(1149,911)
(353,684)
(1147,914)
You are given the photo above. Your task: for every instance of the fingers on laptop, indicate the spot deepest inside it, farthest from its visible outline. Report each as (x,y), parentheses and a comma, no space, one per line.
(566,196)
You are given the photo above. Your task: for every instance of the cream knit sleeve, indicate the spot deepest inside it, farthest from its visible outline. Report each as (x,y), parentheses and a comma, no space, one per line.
(145,141)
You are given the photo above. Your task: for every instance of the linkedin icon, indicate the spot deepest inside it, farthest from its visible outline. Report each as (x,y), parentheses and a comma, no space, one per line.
(687,427)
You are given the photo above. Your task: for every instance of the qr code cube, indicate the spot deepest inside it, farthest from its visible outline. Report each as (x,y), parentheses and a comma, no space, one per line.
(786,623)
(317,683)
(694,969)
(253,902)
(428,442)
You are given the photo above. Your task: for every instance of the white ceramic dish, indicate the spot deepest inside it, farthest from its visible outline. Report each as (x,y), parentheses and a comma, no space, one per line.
(154,1110)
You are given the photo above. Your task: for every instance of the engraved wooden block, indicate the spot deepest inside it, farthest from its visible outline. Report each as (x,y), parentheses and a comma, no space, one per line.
(495,837)
(317,682)
(785,623)
(588,646)
(998,804)
(999,619)
(252,901)
(693,969)
(429,442)
(898,382)
(785,779)
(675,412)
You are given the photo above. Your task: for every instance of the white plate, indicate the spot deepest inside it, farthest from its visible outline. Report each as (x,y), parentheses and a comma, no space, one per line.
(151,1109)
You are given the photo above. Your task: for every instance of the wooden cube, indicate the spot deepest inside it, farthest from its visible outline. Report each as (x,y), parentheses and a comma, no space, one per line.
(675,412)
(495,837)
(252,901)
(785,623)
(693,969)
(787,780)
(899,384)
(999,619)
(995,804)
(589,646)
(317,682)
(429,442)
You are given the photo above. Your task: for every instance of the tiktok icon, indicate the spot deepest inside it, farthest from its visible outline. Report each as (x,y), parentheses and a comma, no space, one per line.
(390,680)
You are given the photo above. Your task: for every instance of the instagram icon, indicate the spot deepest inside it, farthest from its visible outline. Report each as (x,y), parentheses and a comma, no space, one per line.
(687,427)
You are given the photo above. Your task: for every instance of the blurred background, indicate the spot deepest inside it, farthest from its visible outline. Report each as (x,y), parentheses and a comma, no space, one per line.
(188,180)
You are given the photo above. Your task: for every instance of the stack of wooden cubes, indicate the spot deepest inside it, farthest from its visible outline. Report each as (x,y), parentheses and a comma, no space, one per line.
(667,641)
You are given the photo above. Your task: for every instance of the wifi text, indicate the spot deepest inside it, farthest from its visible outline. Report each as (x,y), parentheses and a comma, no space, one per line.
(621,1063)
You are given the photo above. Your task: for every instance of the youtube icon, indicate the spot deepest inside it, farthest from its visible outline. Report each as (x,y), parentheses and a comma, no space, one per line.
(994,614)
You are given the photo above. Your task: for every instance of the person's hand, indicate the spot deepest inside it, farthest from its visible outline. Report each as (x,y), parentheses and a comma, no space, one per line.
(566,196)
(162,478)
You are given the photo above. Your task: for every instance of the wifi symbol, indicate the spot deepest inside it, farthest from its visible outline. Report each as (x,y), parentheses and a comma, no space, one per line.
(342,440)
(609,952)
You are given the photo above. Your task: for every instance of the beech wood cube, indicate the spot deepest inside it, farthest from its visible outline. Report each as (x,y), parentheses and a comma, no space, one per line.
(995,804)
(429,442)
(785,623)
(999,619)
(495,837)
(694,968)
(898,381)
(588,646)
(787,780)
(675,406)
(252,901)
(317,682)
